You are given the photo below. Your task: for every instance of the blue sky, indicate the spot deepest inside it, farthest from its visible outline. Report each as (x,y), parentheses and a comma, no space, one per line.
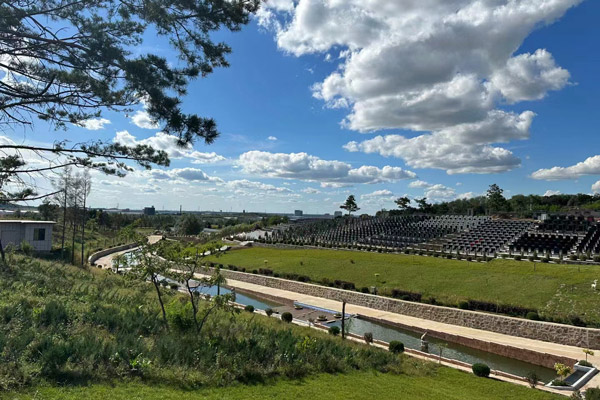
(439,100)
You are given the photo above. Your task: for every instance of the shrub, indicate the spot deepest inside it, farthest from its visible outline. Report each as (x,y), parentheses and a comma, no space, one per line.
(481,370)
(576,320)
(334,330)
(344,285)
(404,295)
(517,257)
(179,315)
(364,289)
(26,248)
(532,378)
(431,300)
(269,312)
(559,382)
(572,257)
(287,317)
(584,363)
(249,308)
(532,315)
(463,305)
(592,394)
(368,336)
(396,347)
(499,308)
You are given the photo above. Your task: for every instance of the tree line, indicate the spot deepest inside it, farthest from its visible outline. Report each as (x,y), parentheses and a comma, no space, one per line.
(493,202)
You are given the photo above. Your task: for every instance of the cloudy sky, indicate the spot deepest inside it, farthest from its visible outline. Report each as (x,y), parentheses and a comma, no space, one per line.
(378,98)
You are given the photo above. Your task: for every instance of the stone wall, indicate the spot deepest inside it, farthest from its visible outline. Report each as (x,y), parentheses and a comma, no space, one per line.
(95,256)
(546,331)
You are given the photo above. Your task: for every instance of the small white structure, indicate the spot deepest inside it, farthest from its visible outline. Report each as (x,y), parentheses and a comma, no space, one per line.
(36,233)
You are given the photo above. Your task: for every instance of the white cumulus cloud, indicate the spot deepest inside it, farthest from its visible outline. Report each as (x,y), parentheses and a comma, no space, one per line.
(142,119)
(168,143)
(590,166)
(306,167)
(94,124)
(551,193)
(437,66)
(182,175)
(378,193)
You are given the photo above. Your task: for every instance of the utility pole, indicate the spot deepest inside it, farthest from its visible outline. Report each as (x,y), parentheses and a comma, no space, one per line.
(343,319)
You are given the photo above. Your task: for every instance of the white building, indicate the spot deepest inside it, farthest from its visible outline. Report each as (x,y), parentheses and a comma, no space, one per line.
(36,233)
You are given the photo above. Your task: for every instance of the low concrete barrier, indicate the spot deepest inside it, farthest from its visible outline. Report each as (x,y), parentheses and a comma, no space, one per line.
(539,330)
(95,256)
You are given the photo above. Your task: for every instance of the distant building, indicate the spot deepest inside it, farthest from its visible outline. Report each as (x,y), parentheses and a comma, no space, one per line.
(149,211)
(298,213)
(36,233)
(337,214)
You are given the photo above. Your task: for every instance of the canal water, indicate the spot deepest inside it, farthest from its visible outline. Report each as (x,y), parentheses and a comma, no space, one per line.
(241,298)
(412,340)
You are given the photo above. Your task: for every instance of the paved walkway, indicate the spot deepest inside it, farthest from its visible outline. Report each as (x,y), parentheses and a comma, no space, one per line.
(424,324)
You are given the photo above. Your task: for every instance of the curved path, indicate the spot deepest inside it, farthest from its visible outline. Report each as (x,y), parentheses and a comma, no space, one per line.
(106,261)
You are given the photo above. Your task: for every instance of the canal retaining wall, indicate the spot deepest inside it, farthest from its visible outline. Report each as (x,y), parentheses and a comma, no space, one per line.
(95,256)
(538,330)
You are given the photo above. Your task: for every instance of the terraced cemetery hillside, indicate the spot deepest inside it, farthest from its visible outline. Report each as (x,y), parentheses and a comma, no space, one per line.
(559,237)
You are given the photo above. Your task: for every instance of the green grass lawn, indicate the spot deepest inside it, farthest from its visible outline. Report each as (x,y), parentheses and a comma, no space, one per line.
(446,384)
(555,290)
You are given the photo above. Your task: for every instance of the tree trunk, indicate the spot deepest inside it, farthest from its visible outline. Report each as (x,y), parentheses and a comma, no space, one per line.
(2,252)
(206,316)
(73,235)
(83,231)
(162,306)
(64,227)
(193,301)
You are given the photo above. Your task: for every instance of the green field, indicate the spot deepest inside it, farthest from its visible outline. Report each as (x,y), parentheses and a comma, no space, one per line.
(557,291)
(447,384)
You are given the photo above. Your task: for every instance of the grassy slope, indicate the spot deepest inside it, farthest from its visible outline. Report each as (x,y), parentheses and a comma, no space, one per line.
(109,314)
(448,385)
(557,290)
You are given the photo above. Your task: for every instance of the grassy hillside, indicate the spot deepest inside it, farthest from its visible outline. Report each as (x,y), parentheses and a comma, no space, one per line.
(558,291)
(75,333)
(447,384)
